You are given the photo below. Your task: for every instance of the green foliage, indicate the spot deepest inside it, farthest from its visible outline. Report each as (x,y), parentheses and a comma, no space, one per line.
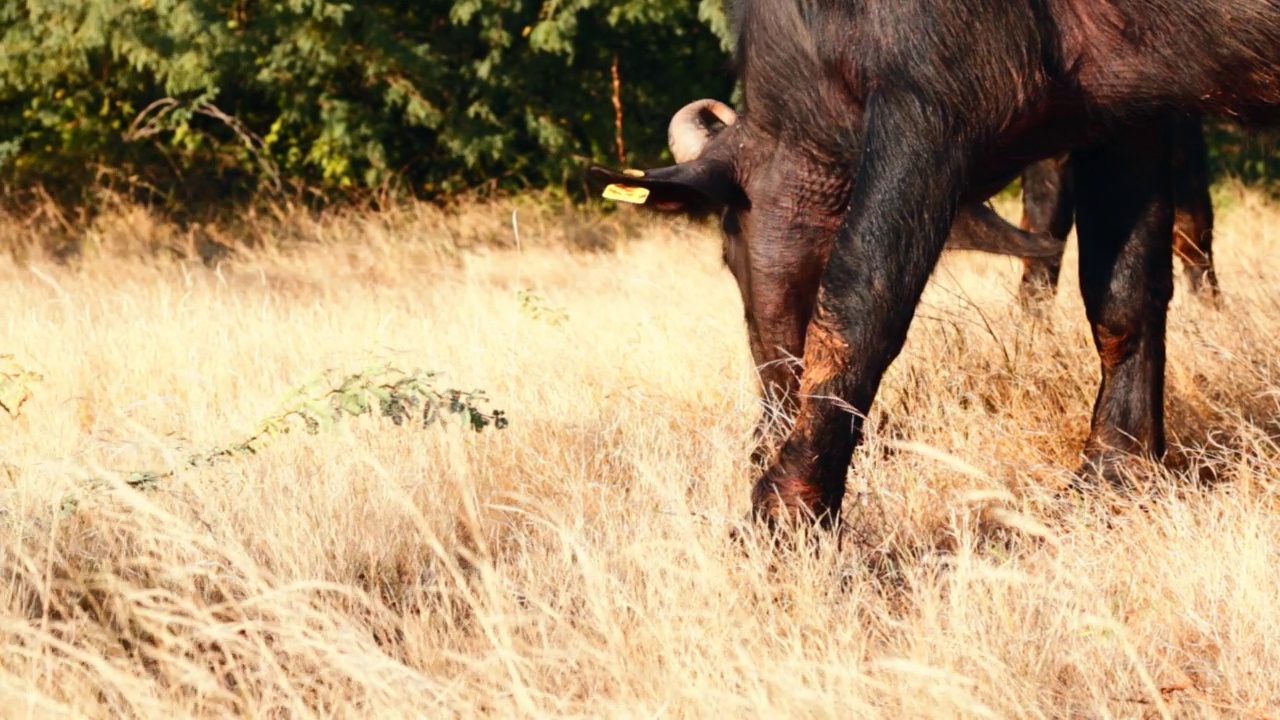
(205,100)
(1252,157)
(318,405)
(209,98)
(537,307)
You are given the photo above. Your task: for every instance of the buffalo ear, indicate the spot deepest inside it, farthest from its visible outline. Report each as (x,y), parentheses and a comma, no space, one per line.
(696,188)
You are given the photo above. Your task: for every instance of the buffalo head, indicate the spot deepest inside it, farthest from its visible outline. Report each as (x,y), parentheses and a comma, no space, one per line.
(723,168)
(705,178)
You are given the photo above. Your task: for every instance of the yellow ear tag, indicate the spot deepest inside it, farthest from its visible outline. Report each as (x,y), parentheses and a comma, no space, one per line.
(625,193)
(633,173)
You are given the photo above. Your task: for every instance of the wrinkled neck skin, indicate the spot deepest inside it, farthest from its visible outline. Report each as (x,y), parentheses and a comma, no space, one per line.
(799,193)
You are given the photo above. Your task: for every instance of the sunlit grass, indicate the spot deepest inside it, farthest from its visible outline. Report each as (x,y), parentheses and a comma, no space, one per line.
(579,561)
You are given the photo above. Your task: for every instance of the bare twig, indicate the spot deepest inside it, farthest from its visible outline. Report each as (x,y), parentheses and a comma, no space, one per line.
(149,122)
(617,109)
(256,145)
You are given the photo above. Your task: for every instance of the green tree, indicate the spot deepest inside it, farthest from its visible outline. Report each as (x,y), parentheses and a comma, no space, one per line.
(208,98)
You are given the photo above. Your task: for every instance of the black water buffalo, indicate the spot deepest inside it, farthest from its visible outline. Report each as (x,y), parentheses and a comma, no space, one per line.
(1048,207)
(976,227)
(867,124)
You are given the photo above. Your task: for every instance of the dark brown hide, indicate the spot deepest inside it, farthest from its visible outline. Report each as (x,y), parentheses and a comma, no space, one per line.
(1048,209)
(867,124)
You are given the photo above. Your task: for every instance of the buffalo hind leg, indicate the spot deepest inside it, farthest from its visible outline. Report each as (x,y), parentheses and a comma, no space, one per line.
(1124,224)
(1193,218)
(1048,206)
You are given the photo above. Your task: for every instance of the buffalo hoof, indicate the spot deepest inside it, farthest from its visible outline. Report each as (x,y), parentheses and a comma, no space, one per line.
(789,503)
(1106,470)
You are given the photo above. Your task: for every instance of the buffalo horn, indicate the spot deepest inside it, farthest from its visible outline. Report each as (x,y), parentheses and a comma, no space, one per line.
(690,128)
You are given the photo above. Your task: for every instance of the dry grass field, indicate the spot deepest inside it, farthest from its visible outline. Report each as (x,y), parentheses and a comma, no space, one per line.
(578,562)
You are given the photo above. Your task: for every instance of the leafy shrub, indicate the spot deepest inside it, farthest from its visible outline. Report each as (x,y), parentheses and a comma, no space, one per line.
(191,100)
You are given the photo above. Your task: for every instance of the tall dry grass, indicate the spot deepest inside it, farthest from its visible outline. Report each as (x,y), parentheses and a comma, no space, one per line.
(578,563)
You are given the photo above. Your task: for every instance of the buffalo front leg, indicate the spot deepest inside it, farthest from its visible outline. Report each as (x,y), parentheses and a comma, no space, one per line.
(886,247)
(1048,206)
(1124,223)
